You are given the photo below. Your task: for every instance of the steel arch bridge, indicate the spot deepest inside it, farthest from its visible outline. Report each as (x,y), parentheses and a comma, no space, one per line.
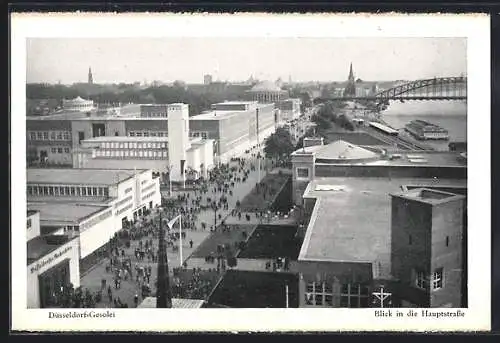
(443,88)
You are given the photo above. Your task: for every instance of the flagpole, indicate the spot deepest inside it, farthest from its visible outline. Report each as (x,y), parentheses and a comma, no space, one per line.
(286,294)
(180,239)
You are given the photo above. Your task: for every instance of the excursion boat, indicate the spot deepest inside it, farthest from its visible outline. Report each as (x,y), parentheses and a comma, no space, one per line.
(423,130)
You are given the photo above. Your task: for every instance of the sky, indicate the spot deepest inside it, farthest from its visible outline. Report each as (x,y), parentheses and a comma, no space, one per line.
(115,60)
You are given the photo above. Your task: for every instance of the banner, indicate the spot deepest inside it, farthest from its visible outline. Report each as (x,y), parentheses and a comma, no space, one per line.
(182,166)
(172,222)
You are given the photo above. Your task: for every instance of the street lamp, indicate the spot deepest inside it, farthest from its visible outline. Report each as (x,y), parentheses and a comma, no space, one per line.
(214,207)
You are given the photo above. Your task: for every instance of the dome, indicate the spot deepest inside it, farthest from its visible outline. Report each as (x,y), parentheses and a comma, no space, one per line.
(341,151)
(266,86)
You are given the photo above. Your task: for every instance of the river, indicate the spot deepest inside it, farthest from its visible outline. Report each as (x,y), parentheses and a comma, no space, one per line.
(451,115)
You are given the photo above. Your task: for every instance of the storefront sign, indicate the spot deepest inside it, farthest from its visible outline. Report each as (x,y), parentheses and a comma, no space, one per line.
(50,259)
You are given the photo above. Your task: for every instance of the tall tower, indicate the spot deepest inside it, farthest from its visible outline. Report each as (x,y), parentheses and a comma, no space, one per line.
(178,139)
(350,89)
(90,80)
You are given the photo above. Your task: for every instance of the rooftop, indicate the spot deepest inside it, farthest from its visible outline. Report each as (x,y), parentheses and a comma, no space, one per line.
(236,103)
(216,115)
(40,246)
(150,302)
(80,176)
(429,196)
(126,139)
(358,155)
(64,213)
(359,229)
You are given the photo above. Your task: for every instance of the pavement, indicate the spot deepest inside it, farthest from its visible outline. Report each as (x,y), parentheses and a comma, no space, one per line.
(92,279)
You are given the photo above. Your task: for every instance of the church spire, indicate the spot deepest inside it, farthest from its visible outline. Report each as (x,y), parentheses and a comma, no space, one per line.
(351,74)
(90,79)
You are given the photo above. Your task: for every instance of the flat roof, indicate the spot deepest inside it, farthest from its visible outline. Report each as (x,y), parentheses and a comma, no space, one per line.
(351,220)
(126,139)
(216,115)
(150,302)
(233,102)
(40,246)
(92,201)
(64,213)
(80,176)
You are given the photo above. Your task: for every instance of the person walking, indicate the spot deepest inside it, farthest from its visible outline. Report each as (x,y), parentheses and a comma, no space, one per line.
(191,244)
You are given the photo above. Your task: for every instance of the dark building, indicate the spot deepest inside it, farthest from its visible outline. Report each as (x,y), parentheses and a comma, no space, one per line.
(427,235)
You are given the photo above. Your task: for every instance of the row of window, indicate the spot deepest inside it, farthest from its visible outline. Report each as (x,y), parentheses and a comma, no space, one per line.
(145,189)
(49,135)
(121,202)
(436,280)
(133,145)
(128,190)
(148,133)
(302,172)
(149,195)
(202,134)
(96,220)
(323,294)
(67,191)
(154,114)
(124,209)
(59,150)
(131,153)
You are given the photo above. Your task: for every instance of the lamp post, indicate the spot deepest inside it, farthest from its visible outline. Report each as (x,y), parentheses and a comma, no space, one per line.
(214,207)
(381,295)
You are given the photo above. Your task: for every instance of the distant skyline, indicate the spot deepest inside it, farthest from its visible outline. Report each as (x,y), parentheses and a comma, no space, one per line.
(114,60)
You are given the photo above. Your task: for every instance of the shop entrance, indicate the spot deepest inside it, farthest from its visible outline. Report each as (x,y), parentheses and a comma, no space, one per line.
(52,284)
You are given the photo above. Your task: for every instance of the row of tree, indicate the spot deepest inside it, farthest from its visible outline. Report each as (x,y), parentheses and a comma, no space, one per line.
(329,113)
(126,94)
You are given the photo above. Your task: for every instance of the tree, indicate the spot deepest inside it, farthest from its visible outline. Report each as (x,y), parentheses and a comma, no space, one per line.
(279,144)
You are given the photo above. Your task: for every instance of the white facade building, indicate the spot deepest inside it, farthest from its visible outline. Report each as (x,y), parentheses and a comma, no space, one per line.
(78,104)
(52,263)
(92,204)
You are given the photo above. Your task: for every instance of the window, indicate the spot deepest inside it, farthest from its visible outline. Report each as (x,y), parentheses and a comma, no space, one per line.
(62,191)
(56,190)
(437,279)
(30,190)
(33,135)
(94,191)
(39,135)
(81,136)
(53,150)
(59,135)
(106,192)
(100,191)
(160,134)
(153,134)
(59,150)
(67,135)
(302,172)
(73,191)
(28,223)
(447,240)
(51,190)
(84,191)
(420,279)
(53,135)
(66,150)
(131,133)
(89,191)
(45,190)
(146,133)
(138,134)
(46,135)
